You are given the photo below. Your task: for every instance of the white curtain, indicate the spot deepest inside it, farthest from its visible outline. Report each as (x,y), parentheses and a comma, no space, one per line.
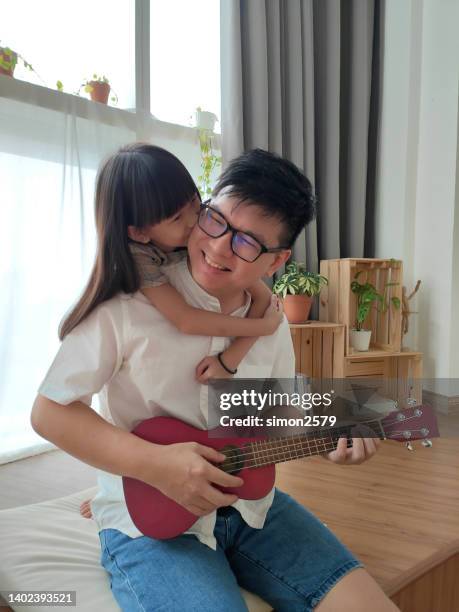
(48,162)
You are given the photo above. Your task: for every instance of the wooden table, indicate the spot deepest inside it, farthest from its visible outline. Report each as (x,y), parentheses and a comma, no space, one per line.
(399,513)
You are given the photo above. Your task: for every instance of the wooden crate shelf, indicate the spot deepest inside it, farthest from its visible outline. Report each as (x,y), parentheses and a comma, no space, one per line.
(322,348)
(400,373)
(338,303)
(319,354)
(319,349)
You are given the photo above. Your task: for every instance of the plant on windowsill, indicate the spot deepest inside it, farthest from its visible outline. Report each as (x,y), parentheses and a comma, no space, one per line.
(366,296)
(205,123)
(297,287)
(98,88)
(205,120)
(9,60)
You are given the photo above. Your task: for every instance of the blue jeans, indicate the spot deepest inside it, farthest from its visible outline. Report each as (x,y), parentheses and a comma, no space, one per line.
(291,563)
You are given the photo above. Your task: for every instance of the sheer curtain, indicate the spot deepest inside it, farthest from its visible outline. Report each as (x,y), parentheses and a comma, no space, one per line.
(48,162)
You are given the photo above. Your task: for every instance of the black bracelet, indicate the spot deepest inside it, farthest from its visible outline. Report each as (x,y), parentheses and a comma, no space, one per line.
(219,357)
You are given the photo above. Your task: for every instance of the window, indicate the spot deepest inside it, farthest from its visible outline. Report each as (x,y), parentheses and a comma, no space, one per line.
(184,59)
(72,41)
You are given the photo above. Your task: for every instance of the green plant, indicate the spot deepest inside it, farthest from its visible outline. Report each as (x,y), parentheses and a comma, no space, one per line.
(209,160)
(297,281)
(9,60)
(367,294)
(88,88)
(209,163)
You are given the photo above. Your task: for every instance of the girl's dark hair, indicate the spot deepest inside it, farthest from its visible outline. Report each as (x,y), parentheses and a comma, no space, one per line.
(276,185)
(140,185)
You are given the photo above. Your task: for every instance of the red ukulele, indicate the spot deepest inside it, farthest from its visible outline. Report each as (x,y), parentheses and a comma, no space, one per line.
(253,459)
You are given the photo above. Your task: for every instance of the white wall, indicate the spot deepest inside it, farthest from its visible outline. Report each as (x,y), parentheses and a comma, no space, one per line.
(417,216)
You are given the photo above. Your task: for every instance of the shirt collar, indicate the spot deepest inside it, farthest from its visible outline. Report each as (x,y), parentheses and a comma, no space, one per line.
(199,295)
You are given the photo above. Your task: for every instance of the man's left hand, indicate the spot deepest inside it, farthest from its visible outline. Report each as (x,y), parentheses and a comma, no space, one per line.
(361,450)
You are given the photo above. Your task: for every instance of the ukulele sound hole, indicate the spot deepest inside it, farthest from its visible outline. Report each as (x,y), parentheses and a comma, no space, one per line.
(234,461)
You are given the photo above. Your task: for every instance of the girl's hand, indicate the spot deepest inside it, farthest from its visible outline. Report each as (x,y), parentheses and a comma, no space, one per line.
(210,367)
(274,313)
(188,477)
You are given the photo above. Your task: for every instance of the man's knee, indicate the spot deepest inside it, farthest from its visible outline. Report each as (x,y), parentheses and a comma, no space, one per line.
(357,591)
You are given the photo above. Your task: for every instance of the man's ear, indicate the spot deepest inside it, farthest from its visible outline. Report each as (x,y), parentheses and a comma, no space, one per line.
(279,261)
(137,234)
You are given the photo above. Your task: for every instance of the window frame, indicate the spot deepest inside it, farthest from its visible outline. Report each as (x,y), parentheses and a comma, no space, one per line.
(139,119)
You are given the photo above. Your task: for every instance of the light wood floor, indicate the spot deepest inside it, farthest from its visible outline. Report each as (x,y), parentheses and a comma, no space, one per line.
(399,513)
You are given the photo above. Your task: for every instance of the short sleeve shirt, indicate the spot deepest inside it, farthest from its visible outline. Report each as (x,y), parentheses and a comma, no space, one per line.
(141,366)
(149,261)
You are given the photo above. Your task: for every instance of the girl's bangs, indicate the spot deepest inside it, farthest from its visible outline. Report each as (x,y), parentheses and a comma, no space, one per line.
(162,190)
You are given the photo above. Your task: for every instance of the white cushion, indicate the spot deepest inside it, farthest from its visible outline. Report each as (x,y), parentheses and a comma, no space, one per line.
(51,547)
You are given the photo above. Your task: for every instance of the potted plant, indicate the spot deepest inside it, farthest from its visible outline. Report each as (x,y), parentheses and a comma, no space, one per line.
(205,120)
(366,295)
(9,60)
(297,287)
(209,162)
(98,88)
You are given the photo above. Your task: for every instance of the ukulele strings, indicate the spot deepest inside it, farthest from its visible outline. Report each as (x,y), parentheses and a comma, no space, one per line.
(237,465)
(318,440)
(302,442)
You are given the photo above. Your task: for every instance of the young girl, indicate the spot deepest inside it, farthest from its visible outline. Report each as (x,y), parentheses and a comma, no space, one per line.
(153,237)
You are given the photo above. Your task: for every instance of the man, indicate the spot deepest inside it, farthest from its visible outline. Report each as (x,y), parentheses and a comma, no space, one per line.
(271,546)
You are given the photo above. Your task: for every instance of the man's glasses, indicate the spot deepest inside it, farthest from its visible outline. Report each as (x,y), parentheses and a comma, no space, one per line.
(244,245)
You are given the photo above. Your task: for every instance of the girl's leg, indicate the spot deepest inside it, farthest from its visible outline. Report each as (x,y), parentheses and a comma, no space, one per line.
(297,564)
(85,509)
(169,575)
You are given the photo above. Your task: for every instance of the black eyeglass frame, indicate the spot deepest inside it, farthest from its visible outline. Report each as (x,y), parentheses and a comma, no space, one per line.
(234,231)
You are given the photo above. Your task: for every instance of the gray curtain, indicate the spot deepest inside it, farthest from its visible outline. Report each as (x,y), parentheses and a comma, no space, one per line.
(301,78)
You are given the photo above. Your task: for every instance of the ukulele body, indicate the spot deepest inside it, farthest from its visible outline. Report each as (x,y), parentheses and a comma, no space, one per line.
(155,514)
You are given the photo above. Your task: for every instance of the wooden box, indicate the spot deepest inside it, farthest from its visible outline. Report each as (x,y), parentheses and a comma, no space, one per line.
(400,373)
(339,304)
(319,349)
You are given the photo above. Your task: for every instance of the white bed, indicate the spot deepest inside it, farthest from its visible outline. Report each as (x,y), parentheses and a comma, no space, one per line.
(50,547)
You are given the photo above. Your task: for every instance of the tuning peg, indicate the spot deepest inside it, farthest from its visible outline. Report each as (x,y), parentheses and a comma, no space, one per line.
(409,446)
(427,443)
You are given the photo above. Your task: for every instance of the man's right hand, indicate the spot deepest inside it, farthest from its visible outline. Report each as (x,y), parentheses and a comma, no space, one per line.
(186,475)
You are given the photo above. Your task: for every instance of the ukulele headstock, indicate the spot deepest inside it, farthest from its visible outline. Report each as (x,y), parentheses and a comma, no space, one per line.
(414,423)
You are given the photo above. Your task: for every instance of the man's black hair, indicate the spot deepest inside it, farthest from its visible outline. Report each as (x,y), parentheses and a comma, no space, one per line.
(274,184)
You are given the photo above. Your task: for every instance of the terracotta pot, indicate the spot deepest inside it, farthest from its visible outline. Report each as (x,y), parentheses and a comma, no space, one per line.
(7,71)
(297,308)
(100,91)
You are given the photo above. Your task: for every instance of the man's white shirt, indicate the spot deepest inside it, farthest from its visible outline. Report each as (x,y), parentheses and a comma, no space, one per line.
(142,366)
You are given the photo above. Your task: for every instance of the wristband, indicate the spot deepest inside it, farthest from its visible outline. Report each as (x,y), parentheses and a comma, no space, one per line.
(219,357)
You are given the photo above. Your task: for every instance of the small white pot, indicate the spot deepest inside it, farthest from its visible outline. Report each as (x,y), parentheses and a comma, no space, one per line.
(205,120)
(360,339)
